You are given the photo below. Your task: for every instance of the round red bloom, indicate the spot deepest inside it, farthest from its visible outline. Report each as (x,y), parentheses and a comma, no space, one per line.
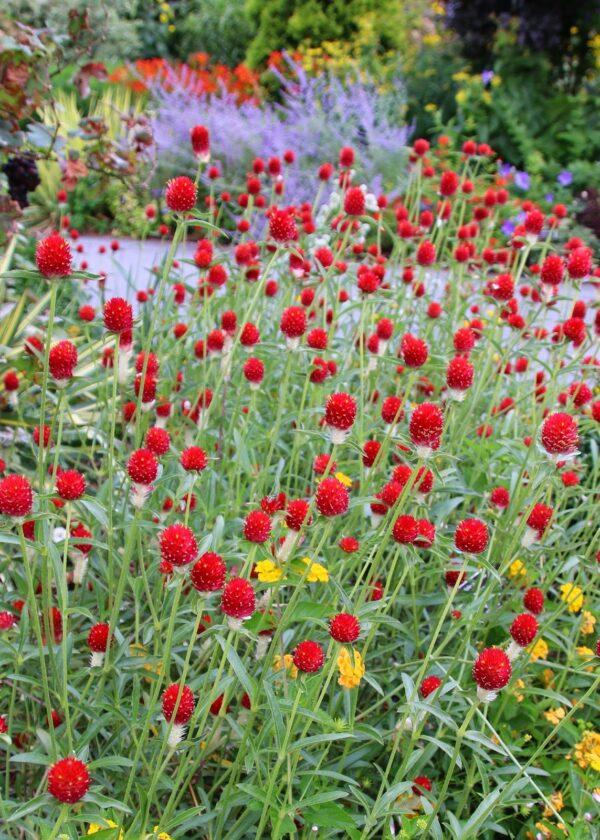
(331,497)
(68,780)
(340,411)
(464,340)
(471,536)
(421,783)
(459,374)
(157,440)
(500,497)
(421,146)
(183,698)
(16,496)
(208,572)
(354,202)
(524,629)
(533,600)
(78,534)
(293,322)
(249,335)
(317,339)
(282,226)
(344,628)
(540,517)
(429,685)
(238,599)
(254,370)
(87,313)
(349,545)
(370,452)
(534,222)
(448,183)
(309,657)
(142,467)
(321,463)
(70,485)
(11,381)
(62,360)
(579,264)
(296,515)
(391,410)
(181,194)
(405,529)
(426,253)
(151,364)
(426,425)
(346,156)
(559,434)
(118,315)
(492,669)
(414,350)
(200,139)
(552,271)
(98,638)
(53,256)
(7,621)
(425,534)
(193,459)
(178,545)
(257,527)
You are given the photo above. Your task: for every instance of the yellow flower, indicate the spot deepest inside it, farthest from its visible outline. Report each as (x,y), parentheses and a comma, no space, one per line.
(487,97)
(587,751)
(432,39)
(96,827)
(555,716)
(573,596)
(286,662)
(438,8)
(351,672)
(586,652)
(431,107)
(344,479)
(539,650)
(496,80)
(588,623)
(461,96)
(548,677)
(316,572)
(517,568)
(268,571)
(543,829)
(557,802)
(519,697)
(161,835)
(461,76)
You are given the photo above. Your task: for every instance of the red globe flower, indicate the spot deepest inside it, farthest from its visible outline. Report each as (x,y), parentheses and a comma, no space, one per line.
(491,672)
(257,527)
(238,600)
(62,360)
(181,194)
(16,496)
(179,702)
(157,440)
(426,427)
(208,572)
(354,202)
(309,657)
(178,545)
(142,467)
(68,780)
(70,485)
(340,413)
(344,628)
(429,685)
(118,315)
(524,629)
(471,536)
(533,600)
(193,459)
(200,139)
(405,529)
(331,497)
(559,434)
(53,257)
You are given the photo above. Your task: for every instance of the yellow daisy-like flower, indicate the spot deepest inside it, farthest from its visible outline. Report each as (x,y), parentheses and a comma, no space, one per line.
(461,76)
(316,572)
(557,802)
(518,696)
(555,716)
(351,672)
(587,751)
(586,652)
(517,569)
(286,662)
(573,596)
(161,835)
(268,571)
(539,650)
(461,96)
(96,827)
(588,623)
(344,479)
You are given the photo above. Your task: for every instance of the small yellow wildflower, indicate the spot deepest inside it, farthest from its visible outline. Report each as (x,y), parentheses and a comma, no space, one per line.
(573,596)
(268,571)
(557,803)
(351,673)
(516,569)
(586,652)
(588,623)
(539,650)
(461,76)
(316,572)
(96,827)
(438,8)
(548,677)
(344,479)
(431,107)
(496,80)
(286,662)
(487,97)
(555,716)
(587,751)
(543,829)
(461,96)
(432,39)
(519,697)
(161,835)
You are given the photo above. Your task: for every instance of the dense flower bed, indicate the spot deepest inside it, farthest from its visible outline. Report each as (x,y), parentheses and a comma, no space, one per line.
(305,543)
